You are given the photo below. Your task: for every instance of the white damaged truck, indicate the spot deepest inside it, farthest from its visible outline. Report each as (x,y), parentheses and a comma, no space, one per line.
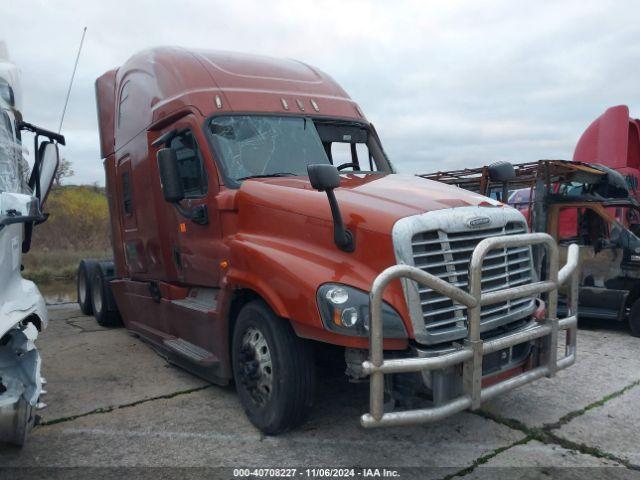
(23,313)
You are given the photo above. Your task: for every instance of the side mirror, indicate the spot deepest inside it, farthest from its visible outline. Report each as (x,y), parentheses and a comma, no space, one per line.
(169,175)
(325,178)
(49,161)
(502,172)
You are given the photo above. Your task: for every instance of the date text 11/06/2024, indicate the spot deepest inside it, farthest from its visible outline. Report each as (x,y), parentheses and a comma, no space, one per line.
(315,472)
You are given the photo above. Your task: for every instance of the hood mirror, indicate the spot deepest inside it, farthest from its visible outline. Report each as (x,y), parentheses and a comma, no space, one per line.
(502,172)
(324,178)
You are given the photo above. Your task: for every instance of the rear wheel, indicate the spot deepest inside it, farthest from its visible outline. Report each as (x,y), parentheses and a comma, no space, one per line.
(101,301)
(273,369)
(83,284)
(634,318)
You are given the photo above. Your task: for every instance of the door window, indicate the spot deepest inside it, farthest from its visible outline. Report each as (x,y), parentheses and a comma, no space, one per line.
(348,145)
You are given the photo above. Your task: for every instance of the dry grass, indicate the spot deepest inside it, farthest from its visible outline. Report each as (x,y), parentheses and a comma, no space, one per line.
(47,266)
(77,228)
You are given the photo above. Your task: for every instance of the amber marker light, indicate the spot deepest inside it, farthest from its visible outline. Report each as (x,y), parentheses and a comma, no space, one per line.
(337,316)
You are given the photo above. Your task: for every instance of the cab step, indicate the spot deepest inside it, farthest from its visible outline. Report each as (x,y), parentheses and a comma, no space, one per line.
(203,300)
(190,351)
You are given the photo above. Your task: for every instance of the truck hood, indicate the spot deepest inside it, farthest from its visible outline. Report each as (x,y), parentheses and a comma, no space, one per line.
(369,201)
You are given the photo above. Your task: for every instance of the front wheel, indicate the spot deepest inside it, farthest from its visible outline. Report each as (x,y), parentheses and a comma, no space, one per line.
(273,369)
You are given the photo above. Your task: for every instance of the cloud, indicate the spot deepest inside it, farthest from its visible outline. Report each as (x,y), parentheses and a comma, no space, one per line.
(447,84)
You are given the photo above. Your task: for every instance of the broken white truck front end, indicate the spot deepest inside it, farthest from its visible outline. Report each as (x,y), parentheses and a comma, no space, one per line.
(23,312)
(23,315)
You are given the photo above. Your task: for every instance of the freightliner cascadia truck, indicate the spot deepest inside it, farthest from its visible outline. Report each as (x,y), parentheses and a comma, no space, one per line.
(258,226)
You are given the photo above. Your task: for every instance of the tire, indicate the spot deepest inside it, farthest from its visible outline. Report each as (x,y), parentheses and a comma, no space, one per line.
(276,387)
(102,302)
(17,424)
(634,318)
(83,285)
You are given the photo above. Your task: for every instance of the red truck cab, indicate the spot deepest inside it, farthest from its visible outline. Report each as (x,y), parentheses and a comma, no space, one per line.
(613,140)
(234,257)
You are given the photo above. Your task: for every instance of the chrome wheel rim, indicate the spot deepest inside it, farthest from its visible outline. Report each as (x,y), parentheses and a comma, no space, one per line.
(256,369)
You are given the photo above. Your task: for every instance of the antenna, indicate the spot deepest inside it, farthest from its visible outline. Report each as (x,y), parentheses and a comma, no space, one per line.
(75,66)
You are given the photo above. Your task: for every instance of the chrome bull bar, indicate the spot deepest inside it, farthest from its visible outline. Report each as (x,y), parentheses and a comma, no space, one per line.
(471,353)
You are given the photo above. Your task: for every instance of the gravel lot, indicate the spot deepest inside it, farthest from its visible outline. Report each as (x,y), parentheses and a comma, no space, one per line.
(112,402)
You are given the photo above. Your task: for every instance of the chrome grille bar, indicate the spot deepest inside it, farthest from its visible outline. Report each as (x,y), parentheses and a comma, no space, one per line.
(465,261)
(446,255)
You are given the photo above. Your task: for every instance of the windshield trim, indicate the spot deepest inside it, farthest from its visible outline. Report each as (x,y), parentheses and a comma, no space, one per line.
(232,183)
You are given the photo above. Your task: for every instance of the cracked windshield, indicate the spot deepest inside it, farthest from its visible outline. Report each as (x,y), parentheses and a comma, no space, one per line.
(253,145)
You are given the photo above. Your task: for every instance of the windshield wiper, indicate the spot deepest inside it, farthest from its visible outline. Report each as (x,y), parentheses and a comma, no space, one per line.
(267,175)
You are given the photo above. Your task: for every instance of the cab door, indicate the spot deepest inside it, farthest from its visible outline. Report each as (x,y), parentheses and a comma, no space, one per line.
(196,249)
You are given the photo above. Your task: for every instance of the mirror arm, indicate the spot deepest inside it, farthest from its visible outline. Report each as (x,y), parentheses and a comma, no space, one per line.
(342,237)
(29,221)
(34,180)
(41,131)
(505,191)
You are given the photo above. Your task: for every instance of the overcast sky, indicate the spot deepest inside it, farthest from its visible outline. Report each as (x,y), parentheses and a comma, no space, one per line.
(447,84)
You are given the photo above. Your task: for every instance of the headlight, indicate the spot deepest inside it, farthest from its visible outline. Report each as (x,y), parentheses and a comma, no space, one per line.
(345,310)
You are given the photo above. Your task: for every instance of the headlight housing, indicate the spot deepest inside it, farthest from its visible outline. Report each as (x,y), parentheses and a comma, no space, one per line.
(345,310)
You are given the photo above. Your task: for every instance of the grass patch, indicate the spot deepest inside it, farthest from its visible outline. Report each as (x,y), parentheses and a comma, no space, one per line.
(599,403)
(77,228)
(485,458)
(45,266)
(547,436)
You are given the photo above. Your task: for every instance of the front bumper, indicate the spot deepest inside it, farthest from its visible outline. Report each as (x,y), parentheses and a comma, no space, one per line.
(473,352)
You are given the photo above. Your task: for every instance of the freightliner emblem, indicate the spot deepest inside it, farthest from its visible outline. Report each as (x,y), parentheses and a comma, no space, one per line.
(478,222)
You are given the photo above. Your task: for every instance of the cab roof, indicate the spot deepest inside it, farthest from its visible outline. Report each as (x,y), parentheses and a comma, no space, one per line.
(155,83)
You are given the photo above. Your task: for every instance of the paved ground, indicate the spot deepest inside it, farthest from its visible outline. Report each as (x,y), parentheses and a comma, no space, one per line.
(112,402)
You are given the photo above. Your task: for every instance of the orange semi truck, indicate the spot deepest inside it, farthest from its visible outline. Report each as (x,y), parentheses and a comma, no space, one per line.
(258,225)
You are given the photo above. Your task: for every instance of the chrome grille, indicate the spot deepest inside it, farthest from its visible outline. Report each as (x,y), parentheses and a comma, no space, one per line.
(447,255)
